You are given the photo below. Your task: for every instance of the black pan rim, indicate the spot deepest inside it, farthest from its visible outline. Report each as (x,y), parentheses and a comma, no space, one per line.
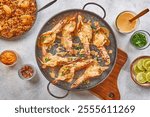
(79,10)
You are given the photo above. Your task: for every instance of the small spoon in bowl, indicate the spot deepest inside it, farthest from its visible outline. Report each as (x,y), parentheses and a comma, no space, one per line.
(139,15)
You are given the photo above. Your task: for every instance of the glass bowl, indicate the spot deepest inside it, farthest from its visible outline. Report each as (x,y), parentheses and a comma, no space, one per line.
(137,24)
(147,35)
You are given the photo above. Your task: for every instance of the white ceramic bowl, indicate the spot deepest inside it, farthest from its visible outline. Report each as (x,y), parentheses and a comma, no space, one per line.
(14,62)
(23,78)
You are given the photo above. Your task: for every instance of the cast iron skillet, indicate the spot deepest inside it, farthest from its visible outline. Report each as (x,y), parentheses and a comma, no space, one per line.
(87,15)
(38,10)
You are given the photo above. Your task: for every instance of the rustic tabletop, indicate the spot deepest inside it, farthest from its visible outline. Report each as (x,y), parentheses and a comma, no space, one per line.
(12,87)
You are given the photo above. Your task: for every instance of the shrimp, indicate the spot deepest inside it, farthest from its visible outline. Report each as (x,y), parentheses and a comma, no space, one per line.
(68,29)
(100,40)
(104,55)
(47,39)
(92,71)
(67,72)
(84,33)
(52,61)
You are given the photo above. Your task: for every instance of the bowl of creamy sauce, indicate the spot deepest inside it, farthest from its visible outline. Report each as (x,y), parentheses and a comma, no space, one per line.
(123,24)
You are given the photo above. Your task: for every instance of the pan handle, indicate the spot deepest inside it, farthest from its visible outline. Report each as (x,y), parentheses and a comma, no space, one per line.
(48,89)
(93,3)
(47,5)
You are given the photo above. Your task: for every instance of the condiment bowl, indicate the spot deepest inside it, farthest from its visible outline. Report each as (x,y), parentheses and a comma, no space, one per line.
(147,35)
(137,24)
(21,75)
(133,76)
(15,53)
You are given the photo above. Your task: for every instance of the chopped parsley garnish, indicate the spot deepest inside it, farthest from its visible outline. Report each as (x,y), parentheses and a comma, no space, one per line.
(70,59)
(72,25)
(139,40)
(93,27)
(66,71)
(47,59)
(78,47)
(97,58)
(44,36)
(81,55)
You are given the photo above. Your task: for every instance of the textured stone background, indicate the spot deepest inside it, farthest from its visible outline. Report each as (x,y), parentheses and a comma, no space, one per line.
(11,87)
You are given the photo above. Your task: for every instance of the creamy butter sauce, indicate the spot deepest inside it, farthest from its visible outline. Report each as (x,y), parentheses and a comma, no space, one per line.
(123,23)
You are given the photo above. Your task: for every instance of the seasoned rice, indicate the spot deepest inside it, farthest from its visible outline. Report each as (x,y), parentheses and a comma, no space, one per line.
(16,17)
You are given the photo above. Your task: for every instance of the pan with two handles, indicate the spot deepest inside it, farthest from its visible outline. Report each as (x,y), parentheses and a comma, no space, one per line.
(89,16)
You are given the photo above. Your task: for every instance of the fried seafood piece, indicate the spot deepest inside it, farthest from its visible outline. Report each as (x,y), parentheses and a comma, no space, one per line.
(50,60)
(23,3)
(7,9)
(66,73)
(84,33)
(92,71)
(68,29)
(104,55)
(100,40)
(47,39)
(26,19)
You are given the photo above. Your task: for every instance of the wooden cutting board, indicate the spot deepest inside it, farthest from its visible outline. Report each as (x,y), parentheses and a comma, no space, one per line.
(108,89)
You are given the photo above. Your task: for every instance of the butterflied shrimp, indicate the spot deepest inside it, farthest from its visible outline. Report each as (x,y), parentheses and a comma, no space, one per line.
(50,60)
(104,55)
(66,73)
(92,71)
(84,33)
(47,39)
(68,29)
(99,40)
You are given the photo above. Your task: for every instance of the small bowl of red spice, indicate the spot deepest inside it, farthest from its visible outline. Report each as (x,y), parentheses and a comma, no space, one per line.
(27,72)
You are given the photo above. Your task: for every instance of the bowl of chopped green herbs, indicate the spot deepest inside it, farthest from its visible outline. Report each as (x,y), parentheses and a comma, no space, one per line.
(140,39)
